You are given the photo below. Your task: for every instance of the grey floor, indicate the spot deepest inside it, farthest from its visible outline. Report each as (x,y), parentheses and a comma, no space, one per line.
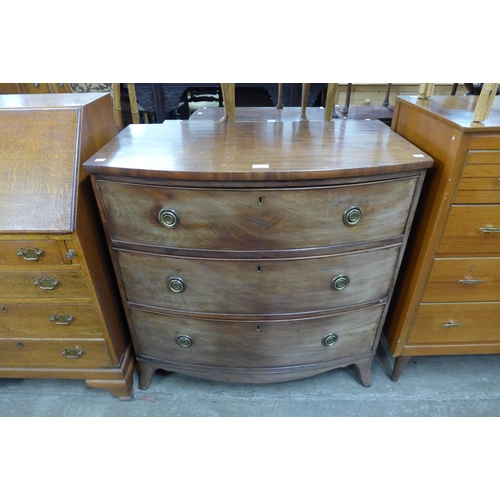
(434,386)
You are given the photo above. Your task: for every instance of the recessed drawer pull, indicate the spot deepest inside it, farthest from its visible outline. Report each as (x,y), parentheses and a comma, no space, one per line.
(30,253)
(73,353)
(176,285)
(169,218)
(330,339)
(46,283)
(185,341)
(451,324)
(340,282)
(490,229)
(352,216)
(62,319)
(470,281)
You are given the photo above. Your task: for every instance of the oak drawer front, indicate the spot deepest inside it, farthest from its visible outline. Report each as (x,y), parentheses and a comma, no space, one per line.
(255,344)
(49,319)
(456,323)
(480,181)
(43,283)
(247,219)
(258,286)
(472,229)
(463,280)
(50,353)
(30,252)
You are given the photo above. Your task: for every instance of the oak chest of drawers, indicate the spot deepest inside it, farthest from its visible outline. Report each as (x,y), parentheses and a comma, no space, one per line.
(448,294)
(60,310)
(256,252)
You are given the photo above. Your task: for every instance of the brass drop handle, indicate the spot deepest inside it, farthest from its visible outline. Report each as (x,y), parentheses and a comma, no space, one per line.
(452,324)
(352,216)
(330,339)
(30,253)
(177,285)
(470,281)
(490,229)
(46,283)
(169,218)
(340,282)
(185,341)
(73,353)
(62,319)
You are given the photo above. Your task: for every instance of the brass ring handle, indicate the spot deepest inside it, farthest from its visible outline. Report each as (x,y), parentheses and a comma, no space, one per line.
(185,341)
(451,324)
(30,253)
(62,319)
(470,281)
(169,218)
(352,216)
(330,339)
(73,353)
(490,229)
(340,282)
(46,283)
(177,285)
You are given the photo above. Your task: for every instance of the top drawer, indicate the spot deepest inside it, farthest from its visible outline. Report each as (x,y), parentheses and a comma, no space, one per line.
(257,219)
(31,252)
(480,182)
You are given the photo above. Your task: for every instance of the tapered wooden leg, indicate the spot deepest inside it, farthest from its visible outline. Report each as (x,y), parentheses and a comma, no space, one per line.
(363,371)
(399,365)
(146,372)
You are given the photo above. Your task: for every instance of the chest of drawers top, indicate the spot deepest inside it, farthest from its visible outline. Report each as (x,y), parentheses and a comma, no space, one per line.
(256,151)
(43,141)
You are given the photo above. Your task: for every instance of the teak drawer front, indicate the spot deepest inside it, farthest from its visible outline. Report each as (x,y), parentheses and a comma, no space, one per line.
(54,283)
(480,181)
(256,219)
(255,344)
(463,280)
(465,323)
(30,252)
(472,229)
(48,319)
(264,286)
(50,353)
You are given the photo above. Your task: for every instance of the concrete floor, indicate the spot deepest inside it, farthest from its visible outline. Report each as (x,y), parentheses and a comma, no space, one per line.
(434,386)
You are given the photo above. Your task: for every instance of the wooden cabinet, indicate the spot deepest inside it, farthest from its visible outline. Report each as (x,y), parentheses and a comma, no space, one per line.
(448,294)
(60,309)
(256,252)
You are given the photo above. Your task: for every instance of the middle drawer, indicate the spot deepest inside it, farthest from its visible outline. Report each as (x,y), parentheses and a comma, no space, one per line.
(57,319)
(258,286)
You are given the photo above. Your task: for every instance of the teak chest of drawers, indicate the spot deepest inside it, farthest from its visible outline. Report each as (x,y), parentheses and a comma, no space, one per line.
(60,310)
(448,294)
(256,252)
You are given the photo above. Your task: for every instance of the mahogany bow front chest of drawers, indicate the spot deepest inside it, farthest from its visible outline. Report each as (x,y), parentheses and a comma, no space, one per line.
(60,309)
(448,299)
(256,252)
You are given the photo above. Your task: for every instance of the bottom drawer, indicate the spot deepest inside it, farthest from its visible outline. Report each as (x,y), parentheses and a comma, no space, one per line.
(456,323)
(253,343)
(49,353)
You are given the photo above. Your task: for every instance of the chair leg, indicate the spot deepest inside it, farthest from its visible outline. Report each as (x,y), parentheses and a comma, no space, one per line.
(305,94)
(133,103)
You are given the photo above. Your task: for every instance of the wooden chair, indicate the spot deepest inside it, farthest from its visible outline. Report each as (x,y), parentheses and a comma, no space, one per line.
(261,113)
(381,112)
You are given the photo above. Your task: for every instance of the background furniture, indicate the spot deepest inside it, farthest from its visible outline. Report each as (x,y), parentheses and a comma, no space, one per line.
(60,310)
(256,252)
(448,295)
